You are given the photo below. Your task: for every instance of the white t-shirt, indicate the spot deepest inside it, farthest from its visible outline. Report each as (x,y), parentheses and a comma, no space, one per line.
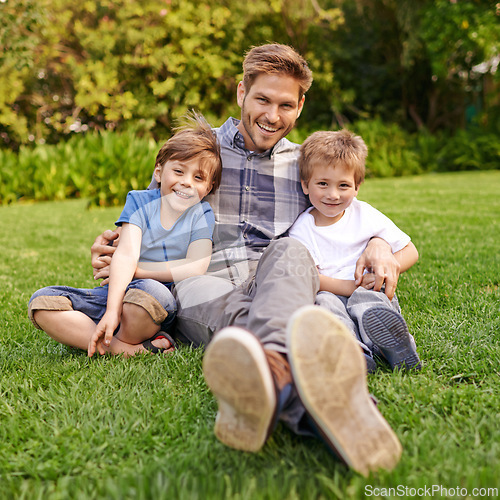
(336,248)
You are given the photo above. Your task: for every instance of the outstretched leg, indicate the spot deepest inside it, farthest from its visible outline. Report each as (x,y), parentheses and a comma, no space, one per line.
(330,375)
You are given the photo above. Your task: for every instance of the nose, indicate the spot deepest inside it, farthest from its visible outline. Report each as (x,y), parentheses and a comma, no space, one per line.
(272,113)
(187,180)
(333,194)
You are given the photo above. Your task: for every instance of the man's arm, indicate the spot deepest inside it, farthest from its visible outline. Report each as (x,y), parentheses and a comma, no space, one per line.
(101,252)
(386,266)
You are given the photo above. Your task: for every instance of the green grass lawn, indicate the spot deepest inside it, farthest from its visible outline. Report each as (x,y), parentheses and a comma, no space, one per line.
(141,428)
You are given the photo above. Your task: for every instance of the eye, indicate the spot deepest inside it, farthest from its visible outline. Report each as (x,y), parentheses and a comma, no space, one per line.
(178,171)
(322,183)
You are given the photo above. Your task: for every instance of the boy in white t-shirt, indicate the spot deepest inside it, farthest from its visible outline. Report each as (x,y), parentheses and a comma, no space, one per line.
(336,230)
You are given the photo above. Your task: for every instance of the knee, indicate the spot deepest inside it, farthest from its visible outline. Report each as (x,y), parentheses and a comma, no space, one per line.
(157,302)
(198,290)
(287,249)
(135,314)
(287,245)
(289,257)
(43,292)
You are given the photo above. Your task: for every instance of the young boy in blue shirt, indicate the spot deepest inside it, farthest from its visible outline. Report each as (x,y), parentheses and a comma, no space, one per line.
(336,230)
(166,236)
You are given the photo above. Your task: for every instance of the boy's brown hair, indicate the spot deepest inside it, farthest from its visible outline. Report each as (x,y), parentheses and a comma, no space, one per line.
(195,139)
(275,58)
(333,148)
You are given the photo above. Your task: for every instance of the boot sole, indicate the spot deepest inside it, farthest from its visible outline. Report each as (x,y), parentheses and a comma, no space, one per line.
(388,331)
(330,377)
(238,374)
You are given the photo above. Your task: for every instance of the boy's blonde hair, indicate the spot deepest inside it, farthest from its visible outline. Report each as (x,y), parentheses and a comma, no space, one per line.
(275,58)
(333,148)
(195,139)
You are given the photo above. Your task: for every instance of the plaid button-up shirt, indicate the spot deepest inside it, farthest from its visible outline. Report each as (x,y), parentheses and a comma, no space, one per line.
(259,198)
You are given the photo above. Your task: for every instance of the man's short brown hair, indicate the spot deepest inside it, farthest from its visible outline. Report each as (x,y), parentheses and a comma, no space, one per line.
(194,140)
(275,58)
(328,148)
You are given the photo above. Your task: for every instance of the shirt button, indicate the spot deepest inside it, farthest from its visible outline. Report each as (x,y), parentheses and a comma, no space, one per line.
(249,158)
(247,188)
(245,235)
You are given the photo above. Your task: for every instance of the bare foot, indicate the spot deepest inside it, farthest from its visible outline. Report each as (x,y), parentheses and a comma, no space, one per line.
(161,343)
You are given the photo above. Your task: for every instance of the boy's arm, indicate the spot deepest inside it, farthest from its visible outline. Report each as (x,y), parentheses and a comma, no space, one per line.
(122,270)
(336,286)
(406,257)
(194,264)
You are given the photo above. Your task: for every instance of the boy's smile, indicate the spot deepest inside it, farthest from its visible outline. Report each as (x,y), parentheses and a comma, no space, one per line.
(182,183)
(331,190)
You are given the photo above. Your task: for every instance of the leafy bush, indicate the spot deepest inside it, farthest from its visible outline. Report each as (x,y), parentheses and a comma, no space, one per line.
(391,150)
(103,166)
(470,150)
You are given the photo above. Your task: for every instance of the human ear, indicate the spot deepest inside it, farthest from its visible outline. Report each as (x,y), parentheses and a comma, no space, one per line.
(301,105)
(240,94)
(157,173)
(304,187)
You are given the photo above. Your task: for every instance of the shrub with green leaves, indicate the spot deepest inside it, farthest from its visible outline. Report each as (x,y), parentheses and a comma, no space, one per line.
(390,149)
(102,167)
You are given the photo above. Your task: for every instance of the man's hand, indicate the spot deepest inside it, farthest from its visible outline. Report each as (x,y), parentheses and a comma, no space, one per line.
(101,252)
(379,260)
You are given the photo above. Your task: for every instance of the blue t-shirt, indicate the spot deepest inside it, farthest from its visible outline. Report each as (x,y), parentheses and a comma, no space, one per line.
(142,208)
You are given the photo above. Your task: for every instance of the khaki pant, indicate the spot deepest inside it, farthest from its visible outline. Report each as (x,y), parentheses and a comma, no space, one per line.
(284,280)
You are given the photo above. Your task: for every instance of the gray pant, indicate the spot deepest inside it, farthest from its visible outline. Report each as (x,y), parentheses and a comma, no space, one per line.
(284,280)
(350,310)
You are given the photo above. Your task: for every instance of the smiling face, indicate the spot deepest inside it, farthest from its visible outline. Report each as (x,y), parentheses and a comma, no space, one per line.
(331,190)
(182,183)
(269,110)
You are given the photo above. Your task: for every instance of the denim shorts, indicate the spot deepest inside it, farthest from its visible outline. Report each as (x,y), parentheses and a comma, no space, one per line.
(155,297)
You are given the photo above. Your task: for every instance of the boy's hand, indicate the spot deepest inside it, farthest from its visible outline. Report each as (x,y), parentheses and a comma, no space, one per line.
(368,281)
(105,328)
(101,252)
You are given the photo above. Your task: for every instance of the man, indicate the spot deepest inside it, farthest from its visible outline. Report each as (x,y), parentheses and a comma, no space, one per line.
(256,283)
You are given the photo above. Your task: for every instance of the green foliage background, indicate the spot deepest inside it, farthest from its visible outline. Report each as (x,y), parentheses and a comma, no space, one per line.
(67,67)
(417,79)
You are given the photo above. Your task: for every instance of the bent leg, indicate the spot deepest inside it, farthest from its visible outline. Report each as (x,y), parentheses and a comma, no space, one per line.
(362,300)
(201,308)
(286,279)
(337,304)
(71,328)
(68,315)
